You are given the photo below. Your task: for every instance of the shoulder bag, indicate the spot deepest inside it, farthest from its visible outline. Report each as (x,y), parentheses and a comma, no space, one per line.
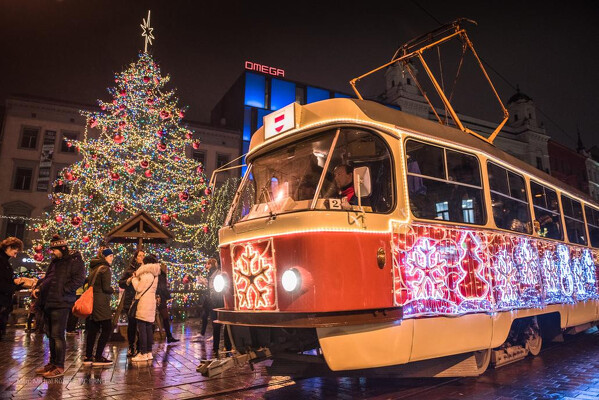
(84,306)
(133,309)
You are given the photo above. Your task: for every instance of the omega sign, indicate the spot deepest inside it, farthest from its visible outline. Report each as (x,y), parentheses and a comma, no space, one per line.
(265,69)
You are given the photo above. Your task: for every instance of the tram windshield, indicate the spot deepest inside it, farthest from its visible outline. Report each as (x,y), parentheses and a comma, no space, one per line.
(315,173)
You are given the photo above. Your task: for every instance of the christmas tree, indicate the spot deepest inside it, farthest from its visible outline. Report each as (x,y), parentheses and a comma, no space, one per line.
(137,162)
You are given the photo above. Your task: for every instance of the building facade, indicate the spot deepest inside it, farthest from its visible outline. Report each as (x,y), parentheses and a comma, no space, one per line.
(33,150)
(568,166)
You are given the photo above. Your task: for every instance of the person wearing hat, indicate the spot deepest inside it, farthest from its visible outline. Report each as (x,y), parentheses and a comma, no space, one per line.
(64,275)
(100,322)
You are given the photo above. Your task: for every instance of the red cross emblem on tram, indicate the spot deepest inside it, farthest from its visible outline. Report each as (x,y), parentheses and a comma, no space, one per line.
(281,121)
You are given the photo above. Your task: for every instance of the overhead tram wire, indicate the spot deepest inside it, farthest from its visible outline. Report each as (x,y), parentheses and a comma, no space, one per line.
(547,117)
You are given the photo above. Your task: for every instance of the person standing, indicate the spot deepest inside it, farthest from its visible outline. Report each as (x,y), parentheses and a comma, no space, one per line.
(162,295)
(65,274)
(101,318)
(145,283)
(217,301)
(125,283)
(9,247)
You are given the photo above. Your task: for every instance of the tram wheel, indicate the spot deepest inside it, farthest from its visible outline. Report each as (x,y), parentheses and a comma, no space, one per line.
(534,340)
(483,358)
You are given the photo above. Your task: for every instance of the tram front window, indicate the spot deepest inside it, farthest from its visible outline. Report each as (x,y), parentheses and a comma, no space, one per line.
(293,178)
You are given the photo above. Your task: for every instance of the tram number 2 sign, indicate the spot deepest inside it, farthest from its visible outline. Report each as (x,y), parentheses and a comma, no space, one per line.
(334,204)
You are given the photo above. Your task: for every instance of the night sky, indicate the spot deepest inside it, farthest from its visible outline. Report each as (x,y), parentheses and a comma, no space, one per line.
(70,49)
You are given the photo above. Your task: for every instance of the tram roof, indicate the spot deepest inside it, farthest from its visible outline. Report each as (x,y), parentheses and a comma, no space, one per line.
(354,110)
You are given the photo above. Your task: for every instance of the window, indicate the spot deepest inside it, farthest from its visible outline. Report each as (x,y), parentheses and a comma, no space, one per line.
(22,178)
(444,184)
(539,163)
(15,227)
(221,160)
(593,225)
(29,138)
(283,93)
(315,94)
(508,199)
(199,156)
(574,220)
(547,212)
(66,137)
(255,90)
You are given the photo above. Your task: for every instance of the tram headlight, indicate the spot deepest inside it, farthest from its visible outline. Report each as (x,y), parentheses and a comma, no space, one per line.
(291,280)
(219,283)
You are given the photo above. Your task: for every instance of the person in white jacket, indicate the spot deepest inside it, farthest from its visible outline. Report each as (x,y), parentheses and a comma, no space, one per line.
(145,282)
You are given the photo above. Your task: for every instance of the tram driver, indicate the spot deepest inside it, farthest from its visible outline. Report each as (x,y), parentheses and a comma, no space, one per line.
(344,180)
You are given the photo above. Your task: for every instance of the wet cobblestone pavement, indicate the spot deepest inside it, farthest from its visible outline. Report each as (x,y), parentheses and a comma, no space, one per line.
(562,370)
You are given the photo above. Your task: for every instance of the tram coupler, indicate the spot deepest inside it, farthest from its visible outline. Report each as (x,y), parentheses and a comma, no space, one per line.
(217,366)
(508,355)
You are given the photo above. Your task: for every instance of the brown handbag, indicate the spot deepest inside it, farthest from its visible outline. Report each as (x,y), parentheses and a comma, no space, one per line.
(84,306)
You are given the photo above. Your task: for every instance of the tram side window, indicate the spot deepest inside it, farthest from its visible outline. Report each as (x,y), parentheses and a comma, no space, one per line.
(593,225)
(444,184)
(574,220)
(508,199)
(547,212)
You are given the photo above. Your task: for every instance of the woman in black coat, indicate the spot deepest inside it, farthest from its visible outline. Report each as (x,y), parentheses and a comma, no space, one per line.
(162,295)
(101,318)
(9,247)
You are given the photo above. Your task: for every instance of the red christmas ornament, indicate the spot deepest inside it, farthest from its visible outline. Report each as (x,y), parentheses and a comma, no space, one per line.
(200,169)
(122,107)
(183,196)
(69,176)
(146,79)
(205,229)
(161,146)
(186,279)
(160,133)
(122,124)
(85,239)
(118,138)
(131,170)
(148,173)
(165,219)
(177,158)
(58,219)
(114,176)
(144,163)
(181,114)
(196,145)
(93,122)
(39,257)
(150,101)
(57,201)
(123,92)
(188,135)
(103,107)
(60,182)
(164,199)
(94,157)
(76,221)
(207,191)
(203,209)
(165,114)
(118,207)
(38,249)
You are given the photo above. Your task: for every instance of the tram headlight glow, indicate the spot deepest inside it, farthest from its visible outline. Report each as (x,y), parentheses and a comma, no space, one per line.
(219,283)
(291,280)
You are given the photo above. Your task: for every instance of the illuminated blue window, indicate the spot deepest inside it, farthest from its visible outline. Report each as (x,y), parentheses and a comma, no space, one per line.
(247,124)
(338,95)
(254,90)
(283,93)
(261,114)
(315,94)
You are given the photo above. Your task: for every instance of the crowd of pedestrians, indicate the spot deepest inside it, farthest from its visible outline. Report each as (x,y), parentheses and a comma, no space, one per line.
(66,281)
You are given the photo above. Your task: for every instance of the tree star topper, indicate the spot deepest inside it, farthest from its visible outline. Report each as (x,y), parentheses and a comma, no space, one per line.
(147,32)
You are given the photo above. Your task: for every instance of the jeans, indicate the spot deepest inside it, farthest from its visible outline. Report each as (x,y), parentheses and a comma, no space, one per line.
(72,321)
(93,328)
(132,334)
(216,334)
(56,325)
(146,336)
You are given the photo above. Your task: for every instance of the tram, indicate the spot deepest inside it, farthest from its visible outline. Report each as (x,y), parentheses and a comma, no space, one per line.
(448,246)
(369,238)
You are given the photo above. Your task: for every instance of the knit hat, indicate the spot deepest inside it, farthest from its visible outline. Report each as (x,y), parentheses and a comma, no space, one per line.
(107,252)
(57,242)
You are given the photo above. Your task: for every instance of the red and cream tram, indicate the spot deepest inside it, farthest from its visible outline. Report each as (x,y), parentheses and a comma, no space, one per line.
(446,246)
